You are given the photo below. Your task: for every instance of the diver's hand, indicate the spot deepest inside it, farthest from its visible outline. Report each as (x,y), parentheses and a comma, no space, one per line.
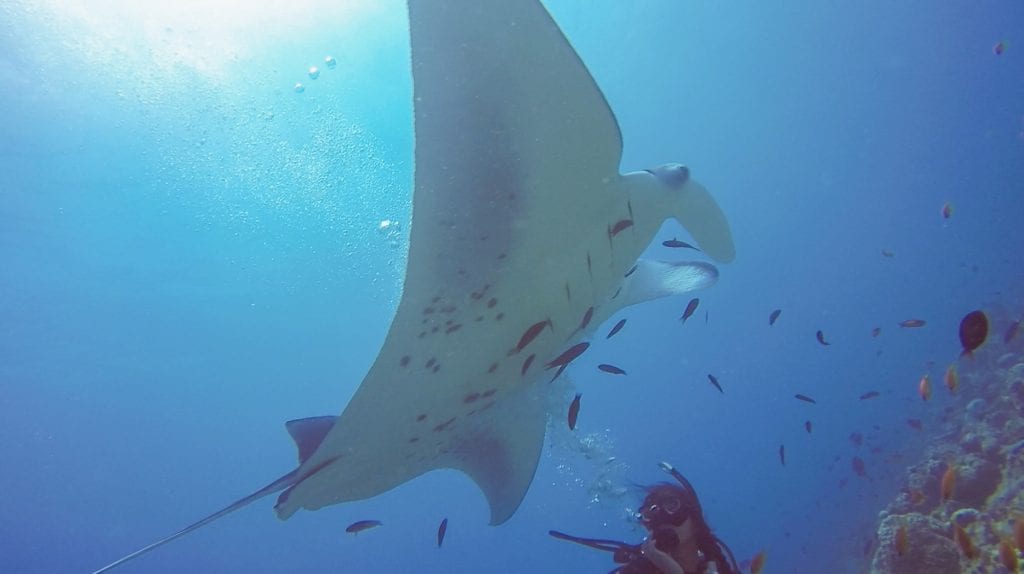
(661,560)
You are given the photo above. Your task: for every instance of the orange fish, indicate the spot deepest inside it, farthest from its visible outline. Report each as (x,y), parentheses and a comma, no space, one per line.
(948,482)
(916,496)
(757,563)
(574,411)
(912,323)
(901,540)
(947,210)
(951,378)
(1008,556)
(963,540)
(924,388)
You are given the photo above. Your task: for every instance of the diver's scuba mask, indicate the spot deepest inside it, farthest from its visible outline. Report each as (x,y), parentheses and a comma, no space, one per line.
(663,512)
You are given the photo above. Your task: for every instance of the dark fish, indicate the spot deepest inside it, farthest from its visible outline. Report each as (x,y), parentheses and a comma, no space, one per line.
(675,243)
(441,530)
(361,525)
(947,210)
(869,395)
(876,331)
(915,424)
(887,253)
(531,333)
(619,226)
(1012,331)
(586,318)
(782,454)
(805,399)
(618,327)
(774,316)
(574,411)
(690,308)
(612,369)
(807,425)
(973,331)
(714,381)
(568,355)
(527,363)
(821,338)
(912,323)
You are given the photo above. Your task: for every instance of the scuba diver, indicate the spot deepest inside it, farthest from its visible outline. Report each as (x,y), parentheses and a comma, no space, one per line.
(680,541)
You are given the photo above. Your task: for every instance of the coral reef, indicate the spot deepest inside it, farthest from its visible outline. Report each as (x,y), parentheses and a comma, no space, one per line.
(970,480)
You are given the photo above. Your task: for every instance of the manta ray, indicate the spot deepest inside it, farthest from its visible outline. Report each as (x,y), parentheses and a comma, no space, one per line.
(524,238)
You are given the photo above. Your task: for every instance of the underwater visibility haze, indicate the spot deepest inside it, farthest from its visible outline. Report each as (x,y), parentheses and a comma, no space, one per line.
(216,219)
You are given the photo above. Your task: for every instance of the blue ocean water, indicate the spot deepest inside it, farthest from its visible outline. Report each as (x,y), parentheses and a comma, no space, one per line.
(191,253)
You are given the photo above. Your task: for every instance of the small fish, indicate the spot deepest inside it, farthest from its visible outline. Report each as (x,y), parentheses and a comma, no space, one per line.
(618,327)
(807,426)
(562,361)
(586,318)
(916,496)
(876,332)
(714,381)
(361,525)
(912,323)
(887,253)
(527,363)
(620,225)
(1012,331)
(782,454)
(441,530)
(915,424)
(821,338)
(963,540)
(947,210)
(757,563)
(676,244)
(805,399)
(612,369)
(999,48)
(858,466)
(1008,556)
(774,316)
(531,333)
(973,331)
(869,395)
(924,388)
(948,484)
(690,308)
(574,411)
(951,379)
(900,541)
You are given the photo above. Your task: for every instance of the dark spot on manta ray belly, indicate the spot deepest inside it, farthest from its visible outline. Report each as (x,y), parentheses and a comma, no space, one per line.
(422,417)
(404,361)
(436,368)
(471,398)
(488,393)
(414,439)
(493,367)
(499,316)
(492,303)
(430,363)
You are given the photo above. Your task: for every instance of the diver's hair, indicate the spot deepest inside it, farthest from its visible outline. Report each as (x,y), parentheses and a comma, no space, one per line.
(710,545)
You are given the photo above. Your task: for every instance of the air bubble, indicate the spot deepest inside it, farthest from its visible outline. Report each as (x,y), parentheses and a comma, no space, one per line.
(299,88)
(314,72)
(330,62)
